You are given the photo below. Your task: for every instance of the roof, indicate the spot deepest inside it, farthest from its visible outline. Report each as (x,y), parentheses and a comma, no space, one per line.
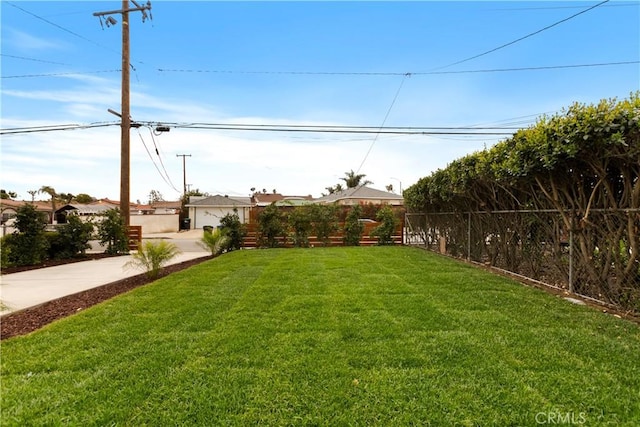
(167,205)
(220,201)
(361,193)
(14,204)
(264,199)
(86,209)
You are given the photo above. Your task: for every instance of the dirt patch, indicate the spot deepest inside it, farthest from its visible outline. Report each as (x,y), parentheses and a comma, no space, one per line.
(30,319)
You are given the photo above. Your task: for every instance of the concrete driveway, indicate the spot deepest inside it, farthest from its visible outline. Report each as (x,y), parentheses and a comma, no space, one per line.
(31,288)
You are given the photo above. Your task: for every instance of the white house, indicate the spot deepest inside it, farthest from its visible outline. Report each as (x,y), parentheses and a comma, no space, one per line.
(210,210)
(362,194)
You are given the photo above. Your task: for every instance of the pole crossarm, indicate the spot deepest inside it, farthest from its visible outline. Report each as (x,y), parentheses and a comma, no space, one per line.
(114,12)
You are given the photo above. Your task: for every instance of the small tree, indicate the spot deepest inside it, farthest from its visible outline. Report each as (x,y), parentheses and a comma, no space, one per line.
(29,245)
(300,224)
(216,241)
(353,228)
(152,256)
(234,230)
(325,221)
(384,232)
(270,226)
(71,238)
(84,198)
(112,231)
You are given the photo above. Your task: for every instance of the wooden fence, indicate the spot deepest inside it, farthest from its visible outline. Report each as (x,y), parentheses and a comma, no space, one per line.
(336,239)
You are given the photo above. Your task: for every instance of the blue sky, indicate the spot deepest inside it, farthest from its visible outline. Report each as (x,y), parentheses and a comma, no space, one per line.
(291,64)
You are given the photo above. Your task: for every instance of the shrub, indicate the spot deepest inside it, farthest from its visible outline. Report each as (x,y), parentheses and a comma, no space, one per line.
(325,221)
(29,245)
(112,231)
(152,256)
(234,230)
(70,239)
(300,224)
(270,227)
(216,241)
(5,250)
(353,228)
(384,231)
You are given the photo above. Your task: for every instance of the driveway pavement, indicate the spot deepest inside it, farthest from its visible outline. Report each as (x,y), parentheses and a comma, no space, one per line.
(29,288)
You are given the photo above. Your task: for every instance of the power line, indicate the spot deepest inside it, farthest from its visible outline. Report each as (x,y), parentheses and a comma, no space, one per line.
(386,116)
(32,59)
(400,130)
(60,74)
(522,38)
(381,130)
(53,128)
(154,163)
(161,162)
(58,26)
(394,73)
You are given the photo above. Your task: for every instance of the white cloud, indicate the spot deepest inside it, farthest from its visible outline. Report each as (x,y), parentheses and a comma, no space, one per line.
(24,41)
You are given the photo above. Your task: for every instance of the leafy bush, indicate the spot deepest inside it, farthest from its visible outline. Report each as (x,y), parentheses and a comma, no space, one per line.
(216,241)
(325,221)
(29,245)
(5,250)
(152,256)
(70,239)
(234,230)
(300,224)
(384,231)
(270,227)
(112,231)
(353,228)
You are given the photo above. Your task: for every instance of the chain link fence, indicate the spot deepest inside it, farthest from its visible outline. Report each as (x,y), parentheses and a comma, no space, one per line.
(594,255)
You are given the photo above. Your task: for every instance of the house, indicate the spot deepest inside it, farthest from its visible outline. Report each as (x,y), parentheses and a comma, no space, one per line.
(208,211)
(85,211)
(9,208)
(163,207)
(362,195)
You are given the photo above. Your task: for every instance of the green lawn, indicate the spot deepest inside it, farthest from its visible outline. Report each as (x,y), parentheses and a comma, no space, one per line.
(327,336)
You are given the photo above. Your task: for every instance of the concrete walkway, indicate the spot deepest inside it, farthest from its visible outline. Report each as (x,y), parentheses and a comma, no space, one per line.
(30,288)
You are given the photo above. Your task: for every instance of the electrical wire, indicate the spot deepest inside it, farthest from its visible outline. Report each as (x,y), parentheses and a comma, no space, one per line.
(394,73)
(154,162)
(521,38)
(384,121)
(406,130)
(160,158)
(32,59)
(52,128)
(60,74)
(59,26)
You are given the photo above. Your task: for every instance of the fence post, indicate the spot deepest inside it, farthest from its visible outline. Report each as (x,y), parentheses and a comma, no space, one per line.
(571,257)
(469,236)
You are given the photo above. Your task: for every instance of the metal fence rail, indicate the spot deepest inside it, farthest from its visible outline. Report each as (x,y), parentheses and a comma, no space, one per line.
(596,255)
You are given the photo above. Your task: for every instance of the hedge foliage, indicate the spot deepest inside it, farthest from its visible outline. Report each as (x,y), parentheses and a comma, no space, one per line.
(584,158)
(584,166)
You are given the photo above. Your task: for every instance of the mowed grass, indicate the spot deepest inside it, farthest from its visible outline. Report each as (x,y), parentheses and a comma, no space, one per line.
(327,336)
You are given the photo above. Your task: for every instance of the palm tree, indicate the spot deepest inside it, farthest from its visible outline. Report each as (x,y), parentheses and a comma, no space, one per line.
(335,189)
(51,192)
(354,180)
(33,195)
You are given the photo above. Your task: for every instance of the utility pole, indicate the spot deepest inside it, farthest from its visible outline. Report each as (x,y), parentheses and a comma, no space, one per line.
(125,121)
(184,172)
